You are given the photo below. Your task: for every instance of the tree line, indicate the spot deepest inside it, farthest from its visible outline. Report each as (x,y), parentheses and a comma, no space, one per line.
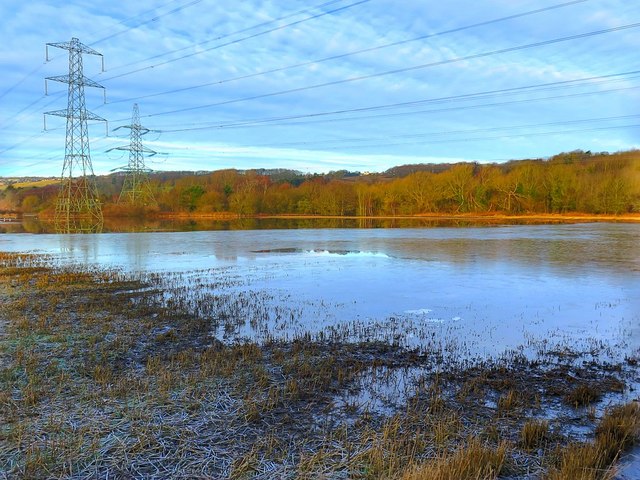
(583,182)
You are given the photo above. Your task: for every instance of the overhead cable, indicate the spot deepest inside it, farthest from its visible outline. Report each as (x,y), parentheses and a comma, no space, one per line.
(353,52)
(401,70)
(297,22)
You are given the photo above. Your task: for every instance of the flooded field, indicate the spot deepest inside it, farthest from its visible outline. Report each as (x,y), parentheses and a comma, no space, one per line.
(479,352)
(475,292)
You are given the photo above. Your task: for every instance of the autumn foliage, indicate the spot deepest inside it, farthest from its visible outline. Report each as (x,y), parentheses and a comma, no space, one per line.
(574,182)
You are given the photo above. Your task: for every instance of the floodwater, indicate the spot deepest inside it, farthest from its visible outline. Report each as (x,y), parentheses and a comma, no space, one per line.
(472,292)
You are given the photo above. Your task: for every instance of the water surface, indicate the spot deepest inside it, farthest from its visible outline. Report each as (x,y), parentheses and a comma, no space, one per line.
(476,291)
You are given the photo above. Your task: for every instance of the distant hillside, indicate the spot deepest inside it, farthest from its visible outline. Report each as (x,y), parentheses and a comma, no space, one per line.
(26,182)
(578,181)
(404,170)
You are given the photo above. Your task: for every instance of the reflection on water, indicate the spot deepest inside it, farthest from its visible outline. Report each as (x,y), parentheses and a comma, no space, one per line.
(133,225)
(477,290)
(79,224)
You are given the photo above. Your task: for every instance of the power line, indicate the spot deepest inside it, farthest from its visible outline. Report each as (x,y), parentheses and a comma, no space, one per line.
(257,122)
(402,70)
(21,81)
(37,135)
(355,52)
(317,117)
(4,127)
(47,155)
(468,107)
(469,139)
(15,115)
(454,132)
(35,70)
(154,19)
(297,22)
(450,109)
(243,30)
(473,139)
(22,142)
(447,99)
(55,96)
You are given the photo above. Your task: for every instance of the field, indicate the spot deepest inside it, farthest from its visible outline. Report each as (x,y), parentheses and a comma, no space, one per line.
(104,374)
(32,184)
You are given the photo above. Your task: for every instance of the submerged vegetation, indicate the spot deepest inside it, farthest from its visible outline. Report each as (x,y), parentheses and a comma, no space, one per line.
(106,374)
(577,181)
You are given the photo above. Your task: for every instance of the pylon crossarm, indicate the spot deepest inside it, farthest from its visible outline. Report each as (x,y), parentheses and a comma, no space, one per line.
(134,149)
(58,113)
(65,113)
(129,169)
(76,81)
(90,83)
(74,44)
(141,130)
(59,78)
(93,116)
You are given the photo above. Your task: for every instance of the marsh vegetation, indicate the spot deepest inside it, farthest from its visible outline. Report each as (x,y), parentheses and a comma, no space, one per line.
(109,373)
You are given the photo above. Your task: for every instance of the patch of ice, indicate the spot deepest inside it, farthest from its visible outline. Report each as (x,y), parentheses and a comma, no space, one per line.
(420,311)
(434,320)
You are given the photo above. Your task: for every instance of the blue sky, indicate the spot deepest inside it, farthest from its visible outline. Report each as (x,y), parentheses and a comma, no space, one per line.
(254,84)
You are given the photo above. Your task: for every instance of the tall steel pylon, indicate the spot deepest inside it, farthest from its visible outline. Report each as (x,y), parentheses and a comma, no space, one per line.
(77,206)
(136,189)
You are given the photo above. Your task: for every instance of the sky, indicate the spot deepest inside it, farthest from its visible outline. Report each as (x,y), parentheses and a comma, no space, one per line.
(361,85)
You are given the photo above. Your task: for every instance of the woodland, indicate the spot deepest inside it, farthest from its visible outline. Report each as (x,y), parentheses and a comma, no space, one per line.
(571,182)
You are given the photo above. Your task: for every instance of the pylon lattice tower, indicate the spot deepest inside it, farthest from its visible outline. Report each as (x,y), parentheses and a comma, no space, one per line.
(136,189)
(77,206)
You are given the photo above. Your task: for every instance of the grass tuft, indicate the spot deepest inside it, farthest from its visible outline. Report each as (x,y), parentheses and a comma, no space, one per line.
(534,434)
(582,395)
(471,461)
(618,429)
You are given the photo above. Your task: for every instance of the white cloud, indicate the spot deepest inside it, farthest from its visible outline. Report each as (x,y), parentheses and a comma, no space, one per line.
(27,26)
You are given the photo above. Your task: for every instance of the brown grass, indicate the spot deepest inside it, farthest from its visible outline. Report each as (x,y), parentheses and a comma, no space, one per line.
(98,378)
(473,461)
(534,433)
(618,429)
(583,395)
(508,402)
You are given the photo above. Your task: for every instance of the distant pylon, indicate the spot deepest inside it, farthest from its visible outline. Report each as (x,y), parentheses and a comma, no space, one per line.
(136,189)
(77,206)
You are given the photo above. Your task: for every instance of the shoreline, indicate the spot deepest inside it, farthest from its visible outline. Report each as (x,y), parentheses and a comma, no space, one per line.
(631,218)
(477,217)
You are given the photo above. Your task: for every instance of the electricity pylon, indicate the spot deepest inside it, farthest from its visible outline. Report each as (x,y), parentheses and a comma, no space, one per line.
(78,207)
(136,189)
